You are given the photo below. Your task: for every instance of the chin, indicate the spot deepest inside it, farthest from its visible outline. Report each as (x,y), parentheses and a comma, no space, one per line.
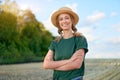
(65,29)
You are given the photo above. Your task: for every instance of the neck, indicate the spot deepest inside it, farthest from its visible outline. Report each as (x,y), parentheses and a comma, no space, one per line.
(67,34)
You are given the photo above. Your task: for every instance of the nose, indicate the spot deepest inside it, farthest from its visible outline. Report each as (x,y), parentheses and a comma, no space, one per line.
(64,20)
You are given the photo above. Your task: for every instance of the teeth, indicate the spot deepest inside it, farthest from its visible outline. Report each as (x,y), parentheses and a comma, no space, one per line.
(64,24)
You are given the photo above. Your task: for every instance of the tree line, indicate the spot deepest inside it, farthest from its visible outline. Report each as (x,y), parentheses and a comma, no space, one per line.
(22,37)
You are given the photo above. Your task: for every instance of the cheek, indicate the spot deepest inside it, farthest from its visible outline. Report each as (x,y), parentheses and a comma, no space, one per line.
(60,23)
(70,23)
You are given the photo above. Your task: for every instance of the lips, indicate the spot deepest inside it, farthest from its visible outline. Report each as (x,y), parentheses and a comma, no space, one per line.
(64,24)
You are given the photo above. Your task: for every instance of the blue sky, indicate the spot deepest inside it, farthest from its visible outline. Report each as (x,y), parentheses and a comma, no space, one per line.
(99,22)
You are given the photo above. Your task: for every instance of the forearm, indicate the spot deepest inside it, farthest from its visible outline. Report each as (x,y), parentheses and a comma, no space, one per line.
(50,64)
(75,61)
(70,66)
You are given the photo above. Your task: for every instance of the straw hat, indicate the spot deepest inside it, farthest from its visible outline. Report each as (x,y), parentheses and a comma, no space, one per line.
(64,10)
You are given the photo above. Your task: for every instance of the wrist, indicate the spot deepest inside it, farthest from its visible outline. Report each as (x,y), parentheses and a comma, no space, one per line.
(70,60)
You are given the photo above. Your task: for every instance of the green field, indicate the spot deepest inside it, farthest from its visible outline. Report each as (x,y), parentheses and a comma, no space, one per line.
(96,69)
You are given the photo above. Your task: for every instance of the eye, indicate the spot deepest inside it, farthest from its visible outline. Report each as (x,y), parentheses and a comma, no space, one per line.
(60,19)
(67,17)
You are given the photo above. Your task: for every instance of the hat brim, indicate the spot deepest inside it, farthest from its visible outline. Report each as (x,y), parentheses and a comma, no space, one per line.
(57,13)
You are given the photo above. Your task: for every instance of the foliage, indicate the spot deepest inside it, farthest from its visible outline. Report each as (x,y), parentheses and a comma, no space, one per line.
(21,37)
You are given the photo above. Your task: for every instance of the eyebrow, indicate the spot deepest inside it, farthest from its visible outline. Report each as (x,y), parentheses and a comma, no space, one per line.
(65,16)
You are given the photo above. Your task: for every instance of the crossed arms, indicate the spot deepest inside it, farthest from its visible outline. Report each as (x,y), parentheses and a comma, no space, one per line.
(74,62)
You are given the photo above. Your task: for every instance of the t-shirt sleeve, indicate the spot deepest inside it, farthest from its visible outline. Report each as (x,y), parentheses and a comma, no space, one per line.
(52,46)
(81,43)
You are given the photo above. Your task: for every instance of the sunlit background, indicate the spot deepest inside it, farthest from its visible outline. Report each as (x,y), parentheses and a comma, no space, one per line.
(99,22)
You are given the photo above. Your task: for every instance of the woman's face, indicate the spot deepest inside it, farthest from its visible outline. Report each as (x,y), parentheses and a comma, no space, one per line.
(65,21)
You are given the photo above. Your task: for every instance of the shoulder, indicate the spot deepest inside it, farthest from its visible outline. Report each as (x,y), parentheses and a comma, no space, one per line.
(81,42)
(81,39)
(53,42)
(79,36)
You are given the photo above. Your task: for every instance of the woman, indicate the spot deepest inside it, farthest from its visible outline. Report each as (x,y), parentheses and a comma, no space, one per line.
(67,52)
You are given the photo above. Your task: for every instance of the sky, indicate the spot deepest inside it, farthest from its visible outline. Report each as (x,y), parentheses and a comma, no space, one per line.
(99,22)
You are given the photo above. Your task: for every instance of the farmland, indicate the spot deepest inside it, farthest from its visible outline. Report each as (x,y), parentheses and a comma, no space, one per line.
(102,69)
(96,69)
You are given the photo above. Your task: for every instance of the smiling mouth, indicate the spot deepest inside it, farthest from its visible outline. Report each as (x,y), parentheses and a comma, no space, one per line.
(64,25)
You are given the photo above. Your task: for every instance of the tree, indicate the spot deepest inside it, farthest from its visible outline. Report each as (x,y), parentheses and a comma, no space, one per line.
(10,7)
(21,35)
(8,38)
(8,31)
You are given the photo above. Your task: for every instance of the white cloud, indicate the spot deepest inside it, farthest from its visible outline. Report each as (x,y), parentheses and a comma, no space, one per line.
(73,6)
(96,16)
(98,54)
(24,6)
(93,19)
(105,49)
(50,27)
(113,14)
(114,40)
(49,0)
(88,32)
(35,9)
(117,26)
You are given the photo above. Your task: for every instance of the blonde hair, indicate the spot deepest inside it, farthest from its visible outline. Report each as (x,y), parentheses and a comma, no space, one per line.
(75,33)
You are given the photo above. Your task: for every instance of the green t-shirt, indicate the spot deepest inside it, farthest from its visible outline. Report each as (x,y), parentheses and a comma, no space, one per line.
(64,49)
